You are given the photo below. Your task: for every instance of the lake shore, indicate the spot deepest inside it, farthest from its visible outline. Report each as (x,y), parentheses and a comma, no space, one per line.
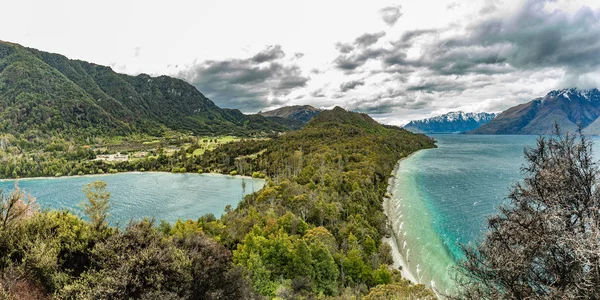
(399,260)
(128,172)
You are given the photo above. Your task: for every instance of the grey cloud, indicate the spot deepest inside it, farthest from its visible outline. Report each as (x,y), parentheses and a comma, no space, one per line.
(433,86)
(443,84)
(390,100)
(492,50)
(452,5)
(412,34)
(248,84)
(350,85)
(368,39)
(489,8)
(269,54)
(531,39)
(318,93)
(391,14)
(351,61)
(353,56)
(291,81)
(344,48)
(371,106)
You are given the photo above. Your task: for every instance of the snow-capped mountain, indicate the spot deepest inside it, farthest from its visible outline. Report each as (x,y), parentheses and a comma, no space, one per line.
(452,122)
(569,108)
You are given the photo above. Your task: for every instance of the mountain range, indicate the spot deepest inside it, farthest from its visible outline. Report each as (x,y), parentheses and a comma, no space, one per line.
(46,94)
(452,122)
(569,108)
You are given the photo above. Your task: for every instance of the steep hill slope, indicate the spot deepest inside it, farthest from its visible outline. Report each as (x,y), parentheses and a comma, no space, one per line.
(568,108)
(48,93)
(452,122)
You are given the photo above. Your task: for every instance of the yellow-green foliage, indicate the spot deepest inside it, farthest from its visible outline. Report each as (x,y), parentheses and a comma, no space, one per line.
(402,290)
(325,192)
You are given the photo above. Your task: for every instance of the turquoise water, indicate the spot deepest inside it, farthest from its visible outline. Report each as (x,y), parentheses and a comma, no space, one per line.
(164,196)
(443,197)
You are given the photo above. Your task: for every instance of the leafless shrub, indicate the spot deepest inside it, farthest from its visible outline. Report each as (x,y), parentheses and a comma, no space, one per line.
(545,242)
(16,205)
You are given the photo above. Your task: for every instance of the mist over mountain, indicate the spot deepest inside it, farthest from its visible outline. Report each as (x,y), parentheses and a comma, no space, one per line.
(452,122)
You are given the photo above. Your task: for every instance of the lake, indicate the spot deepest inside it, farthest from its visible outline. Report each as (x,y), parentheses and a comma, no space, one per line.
(135,195)
(444,196)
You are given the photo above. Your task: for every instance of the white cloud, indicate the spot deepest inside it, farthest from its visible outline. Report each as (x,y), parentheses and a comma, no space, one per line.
(398,66)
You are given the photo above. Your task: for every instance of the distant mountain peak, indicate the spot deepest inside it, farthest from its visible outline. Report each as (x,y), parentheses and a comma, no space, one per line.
(300,113)
(569,108)
(588,94)
(452,122)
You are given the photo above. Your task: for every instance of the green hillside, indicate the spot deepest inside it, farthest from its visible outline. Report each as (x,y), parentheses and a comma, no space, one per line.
(44,94)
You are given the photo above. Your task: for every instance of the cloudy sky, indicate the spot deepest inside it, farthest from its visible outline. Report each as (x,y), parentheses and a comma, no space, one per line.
(396,60)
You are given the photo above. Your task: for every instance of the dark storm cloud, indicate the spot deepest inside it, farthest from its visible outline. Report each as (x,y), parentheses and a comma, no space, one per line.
(368,39)
(350,85)
(391,14)
(249,84)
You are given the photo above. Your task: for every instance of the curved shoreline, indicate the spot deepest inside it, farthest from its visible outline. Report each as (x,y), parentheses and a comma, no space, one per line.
(399,260)
(128,172)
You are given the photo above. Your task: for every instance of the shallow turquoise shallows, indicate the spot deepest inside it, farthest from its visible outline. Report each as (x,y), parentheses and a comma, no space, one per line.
(444,196)
(163,196)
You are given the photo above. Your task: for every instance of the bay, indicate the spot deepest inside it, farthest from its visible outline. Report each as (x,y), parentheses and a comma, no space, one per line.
(137,195)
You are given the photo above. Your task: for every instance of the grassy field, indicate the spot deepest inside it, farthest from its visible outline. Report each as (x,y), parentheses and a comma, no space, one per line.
(211,143)
(169,145)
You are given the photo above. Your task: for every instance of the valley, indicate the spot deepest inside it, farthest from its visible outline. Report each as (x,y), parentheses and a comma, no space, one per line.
(295,150)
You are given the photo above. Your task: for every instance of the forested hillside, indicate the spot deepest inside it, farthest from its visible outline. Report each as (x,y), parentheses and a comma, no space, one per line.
(314,230)
(44,94)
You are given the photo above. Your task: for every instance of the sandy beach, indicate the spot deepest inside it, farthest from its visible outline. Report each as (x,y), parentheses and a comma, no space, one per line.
(399,260)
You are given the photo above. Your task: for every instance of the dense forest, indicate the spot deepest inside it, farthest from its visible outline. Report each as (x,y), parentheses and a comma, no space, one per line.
(314,231)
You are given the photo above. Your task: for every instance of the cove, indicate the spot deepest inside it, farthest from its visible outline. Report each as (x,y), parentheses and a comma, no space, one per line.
(136,195)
